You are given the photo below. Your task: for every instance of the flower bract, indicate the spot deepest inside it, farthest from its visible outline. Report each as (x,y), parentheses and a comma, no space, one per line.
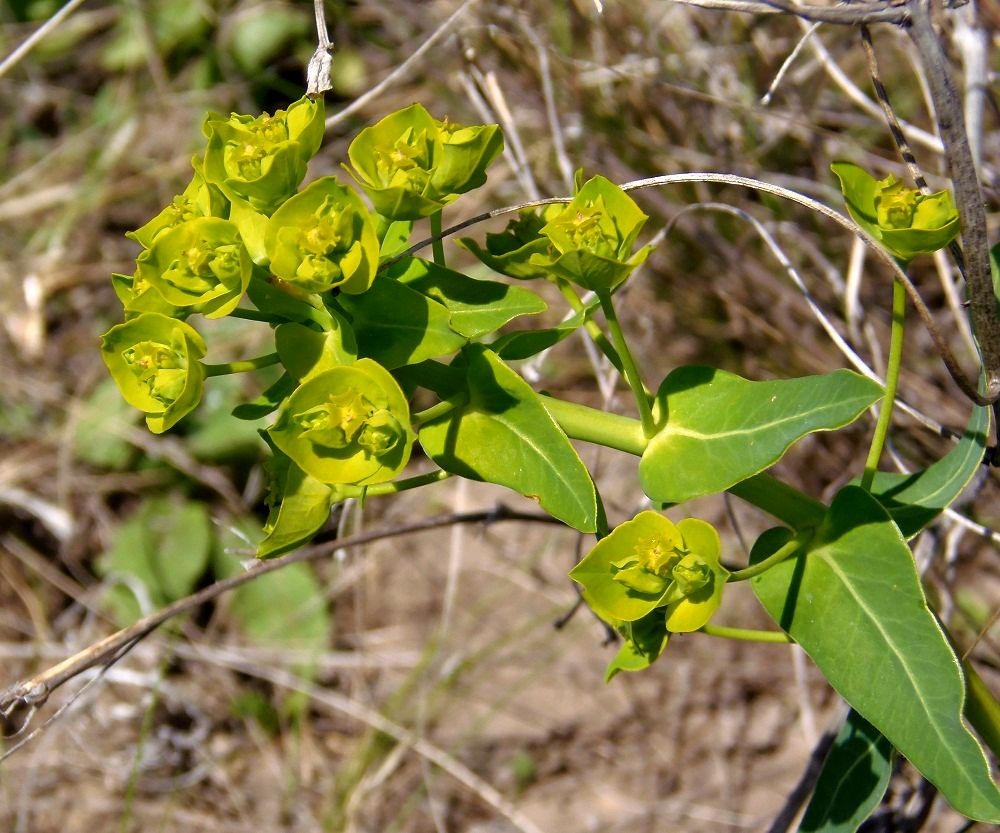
(323,238)
(262,159)
(199,199)
(154,359)
(347,425)
(201,264)
(411,165)
(591,239)
(648,563)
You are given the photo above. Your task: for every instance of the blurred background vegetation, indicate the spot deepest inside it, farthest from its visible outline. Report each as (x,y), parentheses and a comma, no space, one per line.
(268,709)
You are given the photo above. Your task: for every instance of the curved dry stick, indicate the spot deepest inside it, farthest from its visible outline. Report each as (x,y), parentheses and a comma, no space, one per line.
(876,12)
(399,71)
(943,349)
(20,700)
(947,357)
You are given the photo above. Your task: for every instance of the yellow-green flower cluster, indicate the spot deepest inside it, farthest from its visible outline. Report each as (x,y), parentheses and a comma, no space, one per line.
(411,165)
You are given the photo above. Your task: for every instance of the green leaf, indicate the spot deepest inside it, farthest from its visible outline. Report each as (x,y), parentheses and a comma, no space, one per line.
(301,507)
(505,436)
(284,609)
(396,325)
(645,641)
(282,305)
(527,343)
(914,500)
(719,429)
(477,307)
(211,435)
(393,236)
(163,547)
(853,780)
(304,351)
(269,400)
(853,601)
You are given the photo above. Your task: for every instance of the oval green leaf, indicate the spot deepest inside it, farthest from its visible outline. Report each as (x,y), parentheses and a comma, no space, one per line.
(505,436)
(718,429)
(397,326)
(853,601)
(477,307)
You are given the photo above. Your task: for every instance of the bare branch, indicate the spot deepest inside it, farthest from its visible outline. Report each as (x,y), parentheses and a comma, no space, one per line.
(874,12)
(401,70)
(969,198)
(19,701)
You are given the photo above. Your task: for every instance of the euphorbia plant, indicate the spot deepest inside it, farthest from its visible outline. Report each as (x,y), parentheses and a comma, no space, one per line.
(361,327)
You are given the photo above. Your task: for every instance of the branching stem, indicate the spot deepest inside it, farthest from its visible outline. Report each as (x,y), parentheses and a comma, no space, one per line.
(747,634)
(629,368)
(245,366)
(892,370)
(787,551)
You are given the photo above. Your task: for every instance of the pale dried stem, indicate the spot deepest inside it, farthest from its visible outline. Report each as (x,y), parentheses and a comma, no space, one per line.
(399,72)
(38,36)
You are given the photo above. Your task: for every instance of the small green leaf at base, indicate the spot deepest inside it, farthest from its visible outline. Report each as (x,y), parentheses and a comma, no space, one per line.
(853,780)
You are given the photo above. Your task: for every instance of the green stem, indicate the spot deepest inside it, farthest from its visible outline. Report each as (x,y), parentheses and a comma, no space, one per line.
(440,409)
(891,383)
(593,329)
(629,368)
(395,486)
(437,243)
(766,492)
(244,366)
(747,634)
(777,557)
(253,315)
(591,425)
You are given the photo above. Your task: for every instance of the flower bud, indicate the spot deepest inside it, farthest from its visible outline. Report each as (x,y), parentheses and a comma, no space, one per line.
(648,563)
(591,239)
(906,221)
(411,165)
